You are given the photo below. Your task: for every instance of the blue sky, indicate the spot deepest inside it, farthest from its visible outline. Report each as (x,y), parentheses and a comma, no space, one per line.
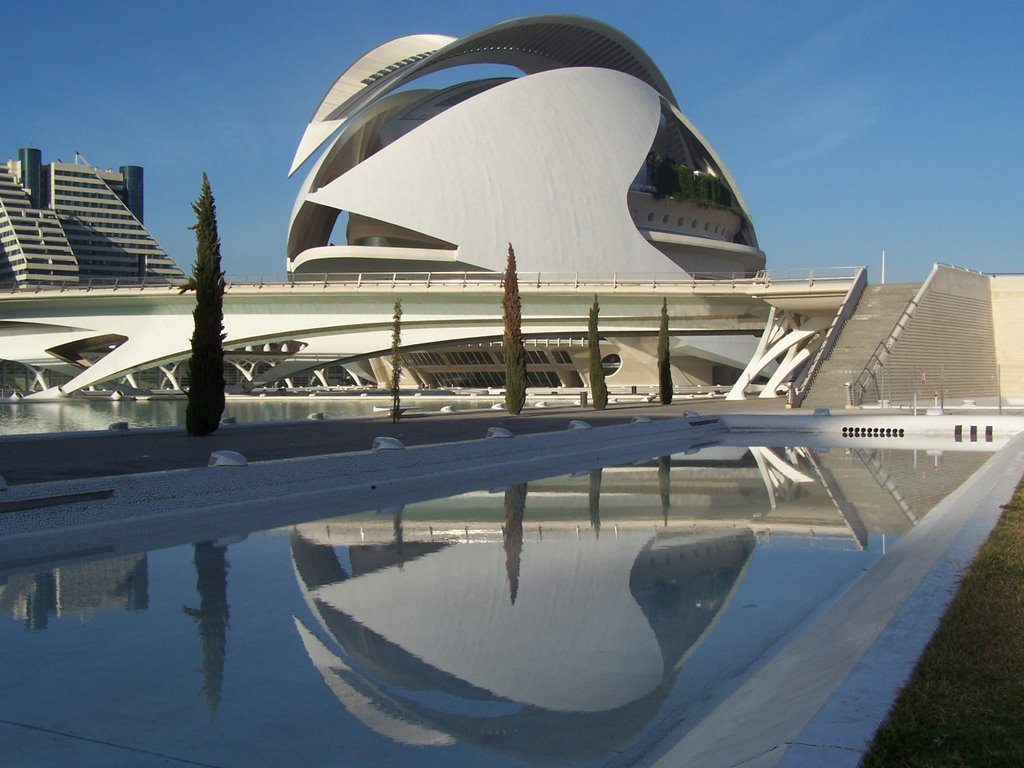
(849,127)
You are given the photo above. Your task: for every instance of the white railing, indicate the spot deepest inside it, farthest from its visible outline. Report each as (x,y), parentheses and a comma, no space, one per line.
(577,280)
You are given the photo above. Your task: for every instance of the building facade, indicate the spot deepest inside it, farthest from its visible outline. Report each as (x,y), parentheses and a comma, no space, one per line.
(69,223)
(580,157)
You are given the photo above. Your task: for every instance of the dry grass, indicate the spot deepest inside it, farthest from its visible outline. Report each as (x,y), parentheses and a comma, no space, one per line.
(964,704)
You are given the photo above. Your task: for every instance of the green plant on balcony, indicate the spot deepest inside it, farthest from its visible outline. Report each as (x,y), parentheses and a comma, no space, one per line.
(683,183)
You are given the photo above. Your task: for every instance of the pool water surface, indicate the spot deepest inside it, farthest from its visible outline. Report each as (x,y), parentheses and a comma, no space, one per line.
(575,620)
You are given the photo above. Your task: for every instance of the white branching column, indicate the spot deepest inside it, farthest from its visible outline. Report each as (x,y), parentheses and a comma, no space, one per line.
(789,340)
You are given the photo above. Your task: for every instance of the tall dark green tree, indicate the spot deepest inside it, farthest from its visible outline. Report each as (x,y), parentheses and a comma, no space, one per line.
(206,365)
(512,340)
(598,388)
(664,366)
(396,363)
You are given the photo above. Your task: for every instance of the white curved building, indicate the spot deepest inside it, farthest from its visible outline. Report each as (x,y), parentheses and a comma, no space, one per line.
(577,154)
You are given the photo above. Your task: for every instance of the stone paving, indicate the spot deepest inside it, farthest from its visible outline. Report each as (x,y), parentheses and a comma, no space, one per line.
(69,455)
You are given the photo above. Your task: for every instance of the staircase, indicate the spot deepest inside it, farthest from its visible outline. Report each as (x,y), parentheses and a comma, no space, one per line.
(879,308)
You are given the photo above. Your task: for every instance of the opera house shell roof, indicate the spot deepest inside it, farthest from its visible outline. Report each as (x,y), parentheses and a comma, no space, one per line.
(572,148)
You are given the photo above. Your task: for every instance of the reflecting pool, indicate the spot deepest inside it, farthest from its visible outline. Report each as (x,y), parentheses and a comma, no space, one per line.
(97,413)
(572,620)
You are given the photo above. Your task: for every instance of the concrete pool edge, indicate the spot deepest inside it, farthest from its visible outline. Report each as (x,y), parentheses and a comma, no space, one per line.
(216,502)
(821,699)
(840,733)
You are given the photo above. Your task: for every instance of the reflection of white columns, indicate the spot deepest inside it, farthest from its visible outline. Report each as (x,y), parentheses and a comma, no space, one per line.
(788,335)
(779,476)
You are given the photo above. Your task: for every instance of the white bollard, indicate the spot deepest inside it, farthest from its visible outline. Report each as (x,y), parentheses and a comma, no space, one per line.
(227,459)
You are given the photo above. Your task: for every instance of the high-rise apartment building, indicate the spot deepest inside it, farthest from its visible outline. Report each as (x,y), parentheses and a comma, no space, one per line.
(64,223)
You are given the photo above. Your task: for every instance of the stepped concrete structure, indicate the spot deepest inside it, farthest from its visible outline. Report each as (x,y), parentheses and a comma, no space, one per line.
(945,342)
(944,346)
(879,308)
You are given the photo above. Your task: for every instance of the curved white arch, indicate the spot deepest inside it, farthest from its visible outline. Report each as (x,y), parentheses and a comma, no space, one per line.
(376,66)
(347,151)
(532,44)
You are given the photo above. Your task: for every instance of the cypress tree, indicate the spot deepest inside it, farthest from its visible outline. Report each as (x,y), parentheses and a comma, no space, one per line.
(396,363)
(206,365)
(598,389)
(512,341)
(664,367)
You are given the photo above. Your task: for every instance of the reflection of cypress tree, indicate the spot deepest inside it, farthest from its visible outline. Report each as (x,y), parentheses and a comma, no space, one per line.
(512,533)
(399,544)
(594,500)
(664,469)
(211,617)
(41,601)
(135,587)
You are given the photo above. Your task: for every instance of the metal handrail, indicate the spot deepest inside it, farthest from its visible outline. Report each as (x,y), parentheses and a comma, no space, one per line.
(868,377)
(800,389)
(539,280)
(93,283)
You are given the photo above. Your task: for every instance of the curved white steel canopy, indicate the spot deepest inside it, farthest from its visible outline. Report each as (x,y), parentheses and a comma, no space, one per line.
(531,44)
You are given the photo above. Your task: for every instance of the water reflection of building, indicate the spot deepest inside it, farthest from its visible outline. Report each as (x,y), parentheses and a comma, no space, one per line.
(843,492)
(76,590)
(894,489)
(527,635)
(435,652)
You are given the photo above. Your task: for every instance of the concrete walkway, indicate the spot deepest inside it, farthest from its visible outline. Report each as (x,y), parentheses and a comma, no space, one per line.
(70,455)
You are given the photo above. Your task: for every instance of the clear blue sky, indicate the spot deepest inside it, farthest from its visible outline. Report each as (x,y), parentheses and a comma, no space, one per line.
(849,127)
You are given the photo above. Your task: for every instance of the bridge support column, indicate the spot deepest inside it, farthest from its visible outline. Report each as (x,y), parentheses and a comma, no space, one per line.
(37,380)
(170,372)
(789,339)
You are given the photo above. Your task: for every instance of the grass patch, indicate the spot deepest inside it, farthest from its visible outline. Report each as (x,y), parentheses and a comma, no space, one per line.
(964,703)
